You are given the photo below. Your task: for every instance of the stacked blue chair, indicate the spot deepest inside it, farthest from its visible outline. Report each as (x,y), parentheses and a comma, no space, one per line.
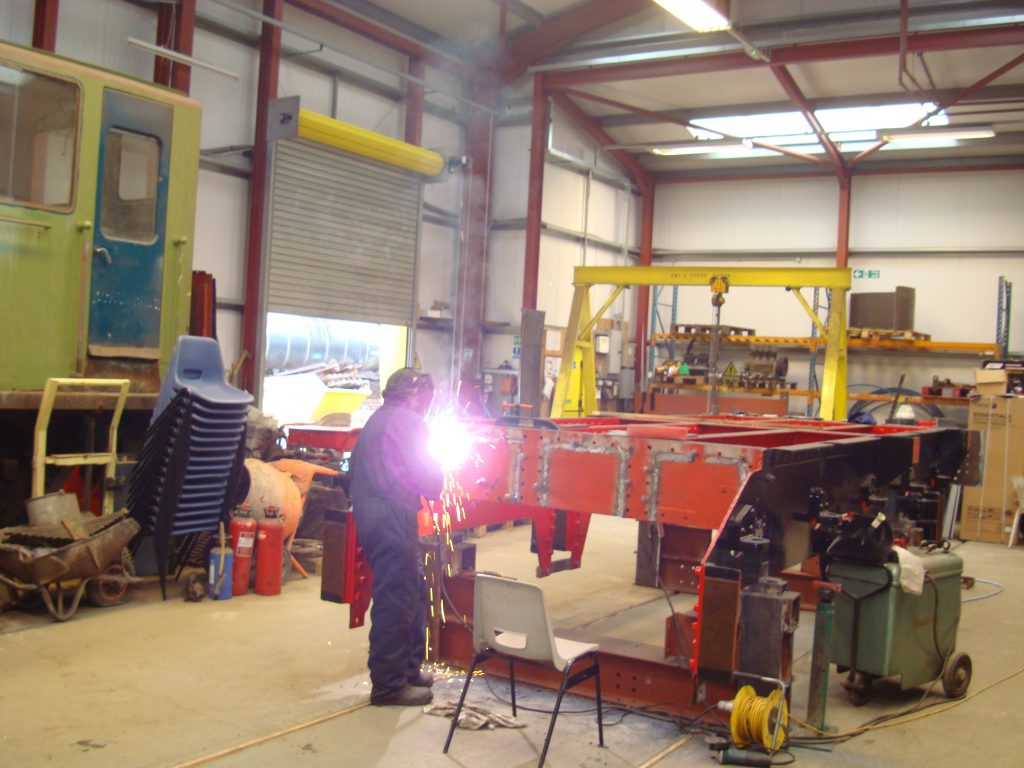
(184,482)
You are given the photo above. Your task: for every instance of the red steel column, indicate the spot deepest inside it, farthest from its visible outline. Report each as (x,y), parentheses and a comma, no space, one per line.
(843,235)
(184,32)
(472,274)
(165,39)
(414,102)
(535,196)
(270,60)
(44,28)
(643,296)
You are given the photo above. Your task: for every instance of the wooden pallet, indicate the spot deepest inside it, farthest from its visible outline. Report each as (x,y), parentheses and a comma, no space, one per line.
(886,334)
(725,330)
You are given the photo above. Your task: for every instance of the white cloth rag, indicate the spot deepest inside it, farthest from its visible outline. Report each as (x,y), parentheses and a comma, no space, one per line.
(474,718)
(911,571)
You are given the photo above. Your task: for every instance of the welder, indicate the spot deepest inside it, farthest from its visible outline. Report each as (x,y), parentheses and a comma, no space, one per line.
(391,469)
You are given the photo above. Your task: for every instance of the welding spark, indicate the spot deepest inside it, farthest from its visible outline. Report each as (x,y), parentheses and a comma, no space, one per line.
(450,442)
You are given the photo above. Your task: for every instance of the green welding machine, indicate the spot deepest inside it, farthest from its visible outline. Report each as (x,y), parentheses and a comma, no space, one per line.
(883,630)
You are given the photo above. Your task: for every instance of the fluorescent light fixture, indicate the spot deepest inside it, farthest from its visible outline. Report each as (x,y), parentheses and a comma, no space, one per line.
(700,15)
(695,148)
(181,58)
(927,134)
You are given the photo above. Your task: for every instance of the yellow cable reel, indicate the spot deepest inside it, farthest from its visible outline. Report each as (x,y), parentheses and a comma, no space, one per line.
(753,719)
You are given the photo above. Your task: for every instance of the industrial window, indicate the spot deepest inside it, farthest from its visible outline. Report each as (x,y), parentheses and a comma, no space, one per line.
(130,175)
(38,138)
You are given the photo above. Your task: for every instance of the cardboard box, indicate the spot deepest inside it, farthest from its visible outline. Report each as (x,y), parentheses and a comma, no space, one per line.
(984,519)
(999,422)
(990,382)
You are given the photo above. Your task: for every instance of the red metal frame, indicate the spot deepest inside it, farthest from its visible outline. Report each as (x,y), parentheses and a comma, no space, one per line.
(414,102)
(175,28)
(44,26)
(270,62)
(783,55)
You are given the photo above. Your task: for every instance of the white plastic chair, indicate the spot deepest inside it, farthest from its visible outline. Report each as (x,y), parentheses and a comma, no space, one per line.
(1018,486)
(511,622)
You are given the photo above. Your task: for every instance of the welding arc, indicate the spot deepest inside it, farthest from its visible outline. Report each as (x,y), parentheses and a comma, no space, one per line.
(753,719)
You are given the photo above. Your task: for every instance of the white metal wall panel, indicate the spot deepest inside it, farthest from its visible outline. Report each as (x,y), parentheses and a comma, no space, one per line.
(16,20)
(511,169)
(938,212)
(558,258)
(437,265)
(229,106)
(343,236)
(788,215)
(370,111)
(607,218)
(446,138)
(505,254)
(222,215)
(95,33)
(564,195)
(312,87)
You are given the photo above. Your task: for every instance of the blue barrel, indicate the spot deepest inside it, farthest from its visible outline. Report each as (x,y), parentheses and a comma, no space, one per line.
(221,591)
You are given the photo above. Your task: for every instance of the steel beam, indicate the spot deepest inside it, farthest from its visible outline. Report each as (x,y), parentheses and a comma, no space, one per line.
(797,97)
(175,30)
(643,295)
(270,62)
(662,118)
(535,193)
(638,173)
(843,231)
(1012,64)
(389,38)
(165,39)
(414,102)
(44,26)
(685,64)
(530,47)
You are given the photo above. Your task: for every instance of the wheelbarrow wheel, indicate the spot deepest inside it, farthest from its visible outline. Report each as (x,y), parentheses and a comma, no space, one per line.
(106,592)
(956,675)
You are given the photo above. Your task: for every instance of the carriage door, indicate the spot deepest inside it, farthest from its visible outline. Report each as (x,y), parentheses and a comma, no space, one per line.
(128,243)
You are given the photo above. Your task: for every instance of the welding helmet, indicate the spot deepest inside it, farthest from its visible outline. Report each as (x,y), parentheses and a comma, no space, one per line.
(407,384)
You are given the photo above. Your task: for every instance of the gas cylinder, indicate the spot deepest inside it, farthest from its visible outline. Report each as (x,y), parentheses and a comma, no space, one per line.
(243,540)
(269,553)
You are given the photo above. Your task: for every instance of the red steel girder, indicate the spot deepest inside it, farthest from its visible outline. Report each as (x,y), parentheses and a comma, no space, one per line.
(535,192)
(984,37)
(636,171)
(270,62)
(643,295)
(528,48)
(337,14)
(843,230)
(797,97)
(44,26)
(414,97)
(175,29)
(995,74)
(662,118)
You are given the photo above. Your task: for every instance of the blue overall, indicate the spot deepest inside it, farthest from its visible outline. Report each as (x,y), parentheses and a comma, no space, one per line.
(391,469)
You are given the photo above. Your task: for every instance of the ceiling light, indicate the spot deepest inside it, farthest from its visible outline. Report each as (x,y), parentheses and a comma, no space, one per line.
(700,15)
(695,148)
(927,134)
(181,58)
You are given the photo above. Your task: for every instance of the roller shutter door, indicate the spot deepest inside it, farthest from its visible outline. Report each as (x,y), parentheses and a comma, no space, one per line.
(342,235)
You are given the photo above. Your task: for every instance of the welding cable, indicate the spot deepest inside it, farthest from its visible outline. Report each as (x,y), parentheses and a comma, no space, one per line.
(998,590)
(272,736)
(900,718)
(674,615)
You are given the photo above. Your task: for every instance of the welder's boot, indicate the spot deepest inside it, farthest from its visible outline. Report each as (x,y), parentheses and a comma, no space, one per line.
(409,696)
(423,679)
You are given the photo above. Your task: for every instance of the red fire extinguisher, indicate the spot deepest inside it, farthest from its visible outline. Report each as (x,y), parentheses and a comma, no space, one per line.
(269,553)
(243,540)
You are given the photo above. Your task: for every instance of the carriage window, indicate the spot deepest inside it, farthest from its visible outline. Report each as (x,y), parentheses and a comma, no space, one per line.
(130,175)
(38,138)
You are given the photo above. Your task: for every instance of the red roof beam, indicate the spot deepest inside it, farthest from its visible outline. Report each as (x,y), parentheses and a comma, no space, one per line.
(663,118)
(797,97)
(389,38)
(639,174)
(922,42)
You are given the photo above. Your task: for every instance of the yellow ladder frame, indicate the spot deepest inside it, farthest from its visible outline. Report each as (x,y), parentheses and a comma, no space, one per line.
(576,390)
(40,459)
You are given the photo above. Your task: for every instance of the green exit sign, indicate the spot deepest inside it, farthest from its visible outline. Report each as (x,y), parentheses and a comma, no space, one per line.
(870,274)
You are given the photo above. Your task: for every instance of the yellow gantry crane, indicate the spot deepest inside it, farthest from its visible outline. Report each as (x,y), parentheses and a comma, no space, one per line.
(576,390)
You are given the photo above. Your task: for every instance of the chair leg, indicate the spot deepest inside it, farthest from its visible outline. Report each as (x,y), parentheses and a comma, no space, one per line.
(554,714)
(512,683)
(597,689)
(462,699)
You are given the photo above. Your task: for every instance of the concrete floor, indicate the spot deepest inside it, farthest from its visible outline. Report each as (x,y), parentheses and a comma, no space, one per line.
(151,683)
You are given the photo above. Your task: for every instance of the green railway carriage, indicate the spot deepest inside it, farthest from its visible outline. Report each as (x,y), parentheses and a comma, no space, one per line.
(97,208)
